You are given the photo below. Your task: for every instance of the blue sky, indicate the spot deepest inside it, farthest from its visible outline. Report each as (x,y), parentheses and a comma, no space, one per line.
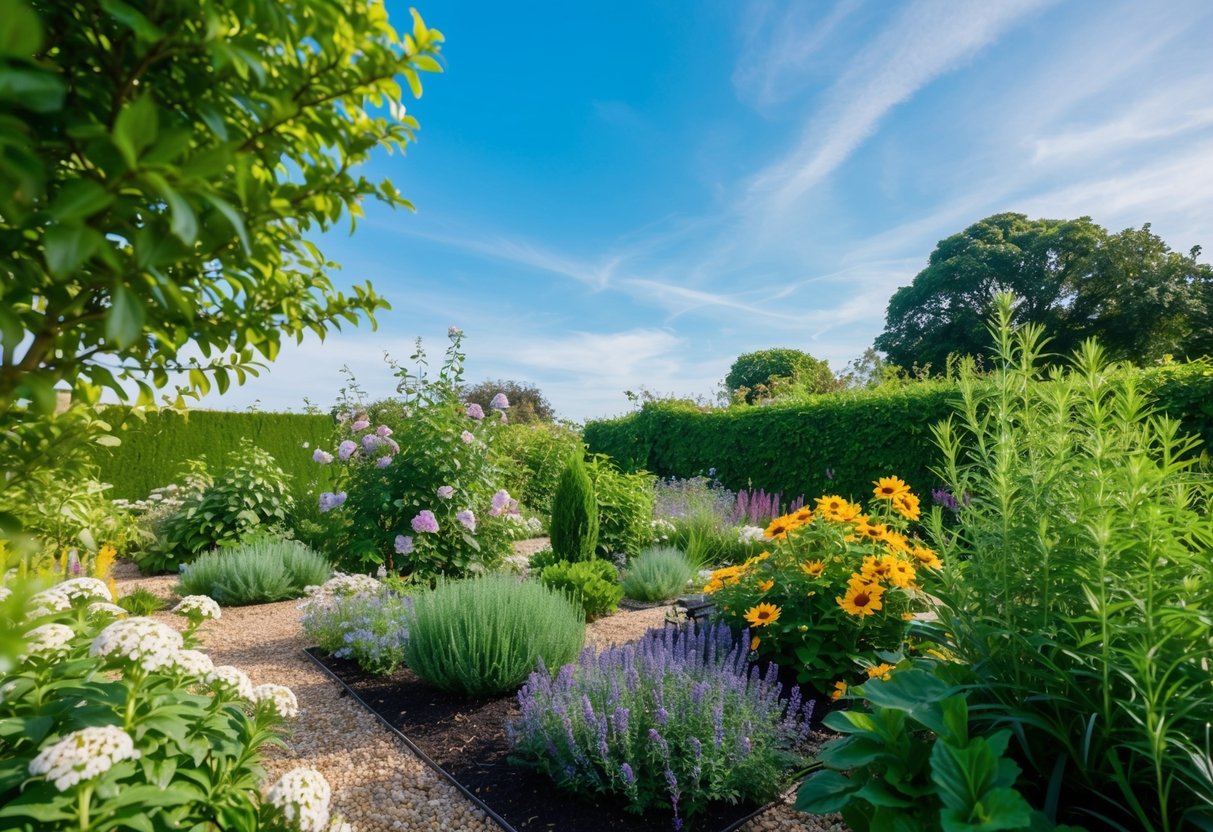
(627,194)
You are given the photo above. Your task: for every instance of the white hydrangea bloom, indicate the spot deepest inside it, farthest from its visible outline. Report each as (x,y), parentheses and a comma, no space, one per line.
(84,588)
(48,639)
(202,605)
(106,608)
(148,643)
(232,678)
(83,755)
(6,689)
(303,796)
(48,602)
(749,534)
(282,698)
(193,663)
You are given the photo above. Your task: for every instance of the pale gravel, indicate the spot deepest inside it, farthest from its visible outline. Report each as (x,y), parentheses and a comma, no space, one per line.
(378,783)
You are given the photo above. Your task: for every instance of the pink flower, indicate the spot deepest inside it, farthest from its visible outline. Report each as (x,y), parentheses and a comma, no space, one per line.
(467,519)
(392,446)
(452,331)
(425,521)
(501,501)
(383,461)
(475,411)
(383,431)
(371,442)
(361,424)
(446,491)
(499,402)
(322,457)
(467,437)
(346,449)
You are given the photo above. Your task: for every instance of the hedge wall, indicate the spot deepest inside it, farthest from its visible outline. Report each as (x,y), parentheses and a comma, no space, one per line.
(152,453)
(834,444)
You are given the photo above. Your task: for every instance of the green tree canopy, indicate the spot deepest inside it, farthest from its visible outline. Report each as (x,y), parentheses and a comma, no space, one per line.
(527,403)
(758,375)
(163,170)
(1140,299)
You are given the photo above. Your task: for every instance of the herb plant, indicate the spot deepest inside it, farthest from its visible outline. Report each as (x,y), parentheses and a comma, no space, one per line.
(658,574)
(255,573)
(367,628)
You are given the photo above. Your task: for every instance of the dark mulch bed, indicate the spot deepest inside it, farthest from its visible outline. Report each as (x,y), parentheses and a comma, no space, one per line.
(466,739)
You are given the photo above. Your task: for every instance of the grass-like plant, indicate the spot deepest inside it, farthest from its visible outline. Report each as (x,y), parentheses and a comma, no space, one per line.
(483,636)
(141,601)
(255,573)
(1081,585)
(660,573)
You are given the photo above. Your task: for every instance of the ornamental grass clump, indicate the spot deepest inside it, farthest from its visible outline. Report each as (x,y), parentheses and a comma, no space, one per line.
(836,586)
(660,573)
(255,573)
(483,636)
(674,721)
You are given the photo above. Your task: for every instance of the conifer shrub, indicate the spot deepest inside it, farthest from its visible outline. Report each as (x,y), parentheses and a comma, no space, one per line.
(593,583)
(574,527)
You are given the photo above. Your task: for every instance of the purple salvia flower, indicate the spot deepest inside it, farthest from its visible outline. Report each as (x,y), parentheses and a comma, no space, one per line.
(425,522)
(322,457)
(467,437)
(467,519)
(629,777)
(475,411)
(346,449)
(446,491)
(404,544)
(499,402)
(361,424)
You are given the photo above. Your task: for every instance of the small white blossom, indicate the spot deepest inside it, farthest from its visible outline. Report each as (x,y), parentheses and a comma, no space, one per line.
(341,586)
(193,663)
(303,796)
(148,643)
(232,678)
(85,588)
(201,605)
(749,534)
(5,592)
(49,639)
(281,698)
(83,755)
(106,608)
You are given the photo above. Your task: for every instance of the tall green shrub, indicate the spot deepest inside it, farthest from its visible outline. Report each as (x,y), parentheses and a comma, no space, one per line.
(625,508)
(574,527)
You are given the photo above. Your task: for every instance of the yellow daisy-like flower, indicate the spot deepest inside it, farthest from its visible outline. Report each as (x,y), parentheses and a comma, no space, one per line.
(840,690)
(861,601)
(779,528)
(765,586)
(761,615)
(803,516)
(927,557)
(831,504)
(888,488)
(881,671)
(754,642)
(813,568)
(896,541)
(908,506)
(901,573)
(877,568)
(850,513)
(875,532)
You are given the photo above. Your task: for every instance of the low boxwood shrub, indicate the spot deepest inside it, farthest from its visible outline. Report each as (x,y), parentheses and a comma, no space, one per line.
(483,636)
(593,583)
(660,573)
(674,721)
(255,573)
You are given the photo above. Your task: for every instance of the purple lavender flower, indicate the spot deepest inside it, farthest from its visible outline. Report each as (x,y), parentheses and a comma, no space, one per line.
(446,491)
(361,424)
(346,449)
(475,411)
(629,777)
(467,437)
(945,498)
(383,431)
(404,544)
(383,461)
(322,457)
(467,519)
(425,521)
(329,500)
(499,402)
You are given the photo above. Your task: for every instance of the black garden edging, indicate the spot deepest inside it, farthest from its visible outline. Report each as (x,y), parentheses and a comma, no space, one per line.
(516,799)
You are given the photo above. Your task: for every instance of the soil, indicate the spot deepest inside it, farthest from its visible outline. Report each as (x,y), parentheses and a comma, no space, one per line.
(466,738)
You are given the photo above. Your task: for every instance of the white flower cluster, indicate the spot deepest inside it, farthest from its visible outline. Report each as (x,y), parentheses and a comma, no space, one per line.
(193,663)
(532,526)
(166,497)
(99,608)
(303,797)
(232,678)
(83,755)
(202,606)
(662,529)
(281,698)
(341,586)
(60,596)
(148,643)
(749,534)
(48,639)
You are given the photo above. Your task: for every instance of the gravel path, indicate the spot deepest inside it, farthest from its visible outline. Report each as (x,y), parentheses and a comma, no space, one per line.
(378,784)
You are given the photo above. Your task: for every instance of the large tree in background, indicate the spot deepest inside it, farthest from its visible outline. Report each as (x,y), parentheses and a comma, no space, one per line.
(164,169)
(761,375)
(1140,299)
(527,403)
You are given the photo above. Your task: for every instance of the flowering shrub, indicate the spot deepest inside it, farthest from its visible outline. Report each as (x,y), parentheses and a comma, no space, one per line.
(417,490)
(365,624)
(109,722)
(835,586)
(676,720)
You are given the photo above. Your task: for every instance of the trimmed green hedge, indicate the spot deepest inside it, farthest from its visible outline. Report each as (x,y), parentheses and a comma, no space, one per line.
(856,437)
(153,453)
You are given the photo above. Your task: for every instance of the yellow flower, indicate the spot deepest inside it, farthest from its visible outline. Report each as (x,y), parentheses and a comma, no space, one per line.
(849,513)
(104,561)
(877,568)
(831,505)
(908,505)
(803,516)
(779,528)
(861,601)
(901,573)
(881,671)
(896,541)
(840,690)
(754,642)
(813,568)
(875,532)
(888,488)
(761,615)
(765,586)
(927,557)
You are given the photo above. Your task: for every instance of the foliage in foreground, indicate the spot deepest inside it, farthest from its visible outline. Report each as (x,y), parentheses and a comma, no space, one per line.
(658,574)
(1079,585)
(255,573)
(674,721)
(483,636)
(594,584)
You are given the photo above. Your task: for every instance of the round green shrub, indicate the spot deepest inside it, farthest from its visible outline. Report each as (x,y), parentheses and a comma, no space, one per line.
(255,573)
(574,527)
(658,574)
(593,583)
(625,508)
(483,636)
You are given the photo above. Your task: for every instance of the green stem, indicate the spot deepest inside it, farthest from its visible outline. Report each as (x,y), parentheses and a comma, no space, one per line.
(86,797)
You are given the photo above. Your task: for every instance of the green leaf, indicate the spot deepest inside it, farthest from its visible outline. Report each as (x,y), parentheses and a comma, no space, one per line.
(1000,809)
(124,322)
(67,247)
(135,129)
(21,34)
(132,19)
(825,792)
(33,89)
(79,199)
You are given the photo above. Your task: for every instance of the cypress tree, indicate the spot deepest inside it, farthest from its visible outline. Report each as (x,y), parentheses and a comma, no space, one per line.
(574,527)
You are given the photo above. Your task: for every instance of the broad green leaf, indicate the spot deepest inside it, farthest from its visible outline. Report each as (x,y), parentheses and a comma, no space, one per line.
(80,199)
(135,128)
(182,221)
(825,792)
(998,810)
(125,319)
(21,34)
(33,89)
(133,19)
(67,247)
